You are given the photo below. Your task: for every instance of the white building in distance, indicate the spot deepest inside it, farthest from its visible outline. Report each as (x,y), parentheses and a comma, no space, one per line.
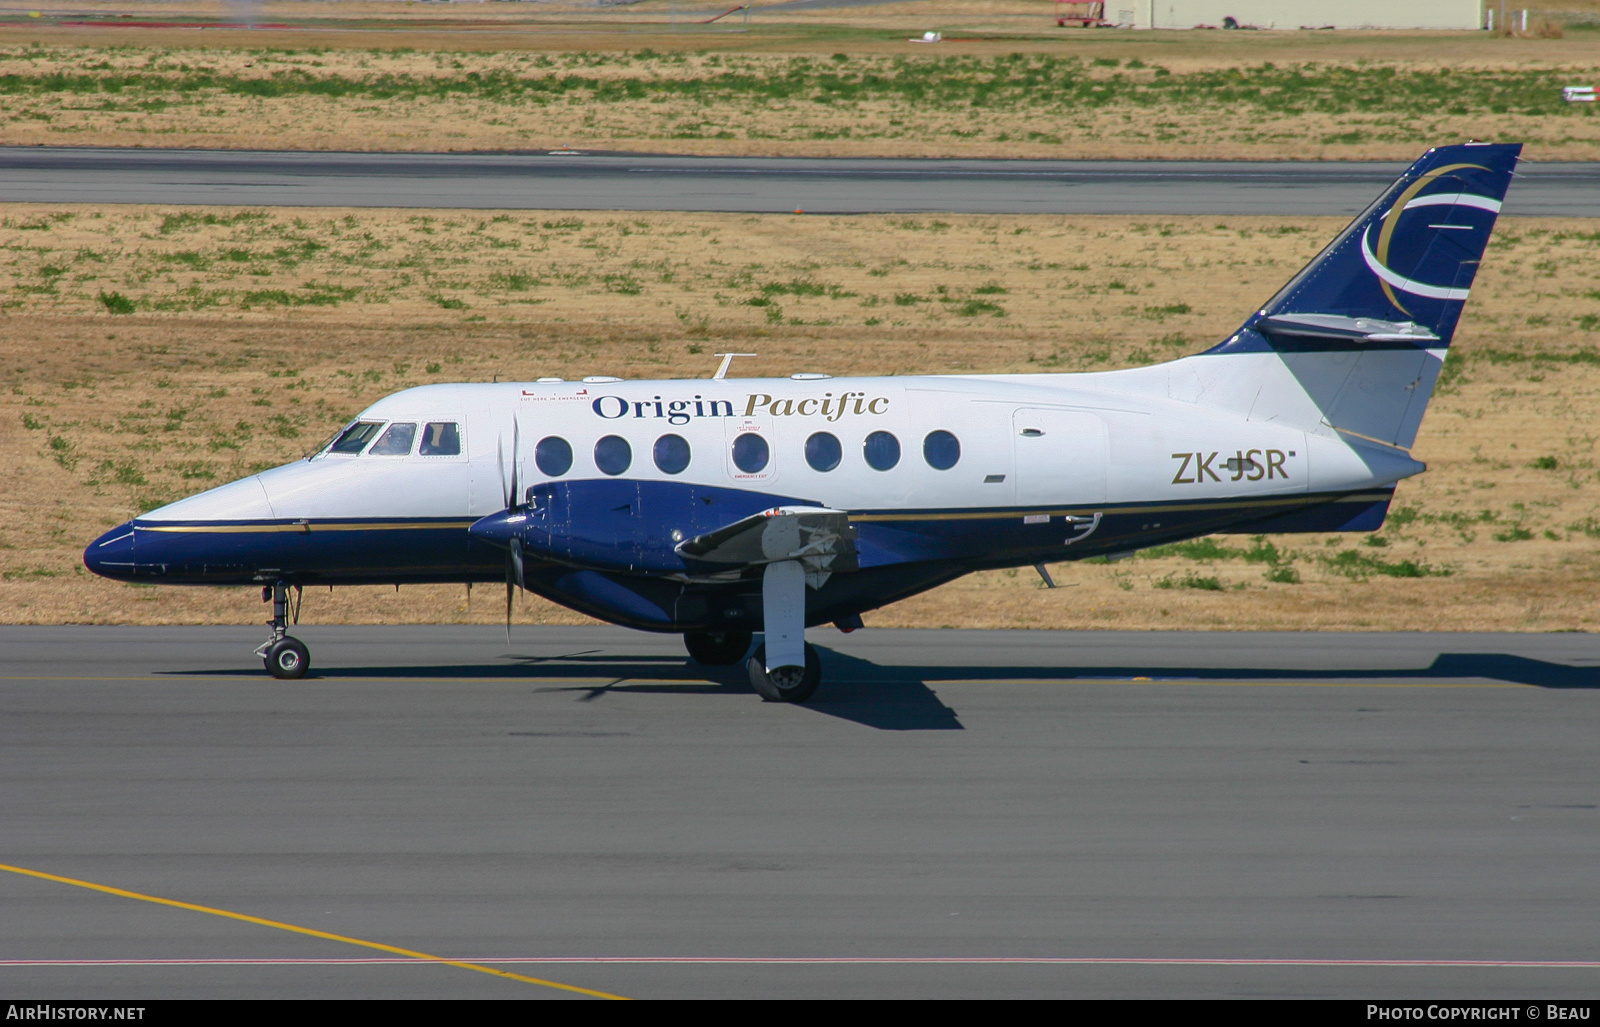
(1295,14)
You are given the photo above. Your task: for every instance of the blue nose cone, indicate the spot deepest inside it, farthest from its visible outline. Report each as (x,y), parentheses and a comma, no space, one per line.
(500,528)
(111,555)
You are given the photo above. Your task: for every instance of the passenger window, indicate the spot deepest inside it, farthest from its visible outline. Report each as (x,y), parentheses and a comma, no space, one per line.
(823,451)
(750,453)
(355,437)
(553,455)
(612,454)
(396,441)
(882,450)
(440,438)
(941,449)
(672,453)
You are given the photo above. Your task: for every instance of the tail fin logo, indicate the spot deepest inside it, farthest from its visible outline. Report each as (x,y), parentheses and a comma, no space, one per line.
(1377,258)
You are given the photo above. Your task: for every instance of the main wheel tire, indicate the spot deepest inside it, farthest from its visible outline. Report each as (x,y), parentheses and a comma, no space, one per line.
(288,659)
(789,684)
(716,648)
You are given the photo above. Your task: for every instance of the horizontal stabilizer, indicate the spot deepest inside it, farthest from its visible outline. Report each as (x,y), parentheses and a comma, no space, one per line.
(1334,326)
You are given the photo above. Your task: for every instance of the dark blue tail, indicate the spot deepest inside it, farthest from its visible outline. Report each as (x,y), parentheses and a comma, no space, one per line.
(1364,327)
(1407,261)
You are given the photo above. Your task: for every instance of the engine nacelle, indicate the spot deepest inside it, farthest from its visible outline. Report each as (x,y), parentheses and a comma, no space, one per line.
(621,524)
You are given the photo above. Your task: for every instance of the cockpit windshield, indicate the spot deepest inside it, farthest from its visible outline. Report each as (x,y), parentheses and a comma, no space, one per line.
(355,438)
(396,441)
(440,438)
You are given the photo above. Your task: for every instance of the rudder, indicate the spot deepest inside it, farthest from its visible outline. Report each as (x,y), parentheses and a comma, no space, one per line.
(1365,326)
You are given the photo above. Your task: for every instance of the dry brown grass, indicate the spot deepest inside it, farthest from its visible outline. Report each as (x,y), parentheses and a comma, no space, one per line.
(370,41)
(257,332)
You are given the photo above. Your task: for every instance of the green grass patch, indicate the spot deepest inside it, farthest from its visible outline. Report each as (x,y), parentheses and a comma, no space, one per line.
(974,308)
(115,302)
(1028,82)
(1359,566)
(625,285)
(1189,580)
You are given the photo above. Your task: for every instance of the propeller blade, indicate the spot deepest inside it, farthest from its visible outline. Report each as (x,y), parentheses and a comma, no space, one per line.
(511,492)
(508,605)
(500,459)
(516,562)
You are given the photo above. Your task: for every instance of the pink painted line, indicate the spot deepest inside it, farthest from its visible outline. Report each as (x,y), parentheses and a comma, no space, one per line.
(1582,964)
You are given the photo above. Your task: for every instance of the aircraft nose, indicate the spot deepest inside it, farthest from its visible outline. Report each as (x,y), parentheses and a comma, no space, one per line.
(500,528)
(111,555)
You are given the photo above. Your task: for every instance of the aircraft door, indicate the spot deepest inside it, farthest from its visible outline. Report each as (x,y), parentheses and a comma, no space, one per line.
(1061,457)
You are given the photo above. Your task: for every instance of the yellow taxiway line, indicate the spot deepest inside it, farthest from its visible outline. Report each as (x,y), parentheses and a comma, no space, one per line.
(308,931)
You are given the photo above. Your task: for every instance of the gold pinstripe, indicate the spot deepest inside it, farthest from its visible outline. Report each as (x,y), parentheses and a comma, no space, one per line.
(1392,218)
(303,529)
(968,515)
(1084,510)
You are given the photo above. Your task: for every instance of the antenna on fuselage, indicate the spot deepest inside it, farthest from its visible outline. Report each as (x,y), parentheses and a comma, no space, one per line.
(727,359)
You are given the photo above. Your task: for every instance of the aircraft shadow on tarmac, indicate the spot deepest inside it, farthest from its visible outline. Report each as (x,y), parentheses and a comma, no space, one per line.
(901,698)
(852,688)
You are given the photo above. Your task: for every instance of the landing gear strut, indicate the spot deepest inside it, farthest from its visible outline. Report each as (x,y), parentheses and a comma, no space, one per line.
(284,655)
(784,668)
(716,648)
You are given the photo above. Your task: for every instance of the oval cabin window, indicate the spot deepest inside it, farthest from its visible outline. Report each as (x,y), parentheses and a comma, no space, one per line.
(613,455)
(823,451)
(553,455)
(672,453)
(941,449)
(882,450)
(750,453)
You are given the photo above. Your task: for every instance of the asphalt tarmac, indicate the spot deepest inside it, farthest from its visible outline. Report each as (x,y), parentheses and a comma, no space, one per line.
(957,814)
(587,181)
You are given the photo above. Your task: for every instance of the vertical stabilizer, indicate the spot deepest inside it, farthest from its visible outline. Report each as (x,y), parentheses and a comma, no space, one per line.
(1364,327)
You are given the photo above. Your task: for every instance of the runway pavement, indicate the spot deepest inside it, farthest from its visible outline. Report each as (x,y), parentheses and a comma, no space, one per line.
(586,181)
(1052,814)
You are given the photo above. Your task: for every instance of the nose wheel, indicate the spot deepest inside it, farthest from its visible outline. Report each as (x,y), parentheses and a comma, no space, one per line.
(284,656)
(287,658)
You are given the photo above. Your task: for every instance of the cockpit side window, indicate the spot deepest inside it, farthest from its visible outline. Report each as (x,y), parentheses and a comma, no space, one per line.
(355,438)
(396,441)
(440,438)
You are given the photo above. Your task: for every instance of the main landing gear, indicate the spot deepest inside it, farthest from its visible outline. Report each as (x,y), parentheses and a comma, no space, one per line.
(790,683)
(284,655)
(717,648)
(785,668)
(794,670)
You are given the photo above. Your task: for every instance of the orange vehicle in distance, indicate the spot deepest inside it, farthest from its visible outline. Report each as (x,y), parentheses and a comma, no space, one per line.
(1083,14)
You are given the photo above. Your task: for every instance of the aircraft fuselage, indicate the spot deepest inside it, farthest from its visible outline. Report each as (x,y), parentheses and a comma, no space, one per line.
(941,476)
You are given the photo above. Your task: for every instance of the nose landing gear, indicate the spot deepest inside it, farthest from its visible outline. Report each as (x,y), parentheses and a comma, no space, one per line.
(284,655)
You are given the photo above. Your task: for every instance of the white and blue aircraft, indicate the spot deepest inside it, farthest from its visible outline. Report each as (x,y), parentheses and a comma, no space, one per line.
(715,508)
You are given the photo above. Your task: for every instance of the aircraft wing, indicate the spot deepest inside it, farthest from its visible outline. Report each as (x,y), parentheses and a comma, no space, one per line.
(822,540)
